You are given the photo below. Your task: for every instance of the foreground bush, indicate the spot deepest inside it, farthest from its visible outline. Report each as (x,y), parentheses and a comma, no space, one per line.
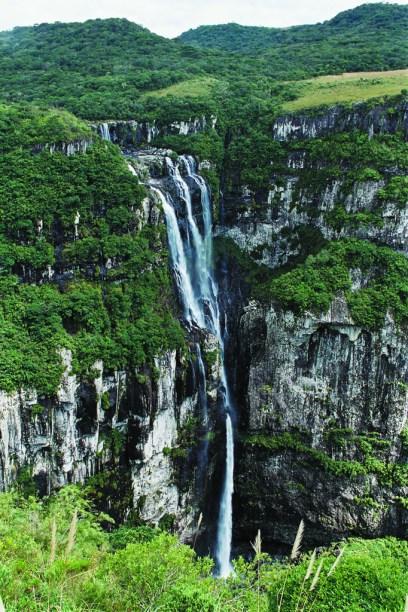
(55,556)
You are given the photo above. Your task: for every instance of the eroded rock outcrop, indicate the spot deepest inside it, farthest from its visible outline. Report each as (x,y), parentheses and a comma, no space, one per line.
(133,436)
(66,148)
(134,133)
(363,116)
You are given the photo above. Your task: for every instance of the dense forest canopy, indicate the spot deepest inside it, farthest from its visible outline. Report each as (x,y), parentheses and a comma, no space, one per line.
(366,22)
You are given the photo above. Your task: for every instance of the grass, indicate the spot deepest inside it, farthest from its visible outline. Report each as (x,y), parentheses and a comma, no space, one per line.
(347,87)
(194,88)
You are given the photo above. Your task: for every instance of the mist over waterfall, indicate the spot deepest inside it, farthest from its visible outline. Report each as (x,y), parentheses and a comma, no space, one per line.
(191,251)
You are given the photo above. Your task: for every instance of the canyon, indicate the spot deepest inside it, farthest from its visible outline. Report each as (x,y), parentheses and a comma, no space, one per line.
(320,400)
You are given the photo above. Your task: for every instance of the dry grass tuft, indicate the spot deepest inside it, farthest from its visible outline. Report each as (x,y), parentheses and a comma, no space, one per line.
(200,520)
(316,576)
(293,555)
(336,562)
(310,566)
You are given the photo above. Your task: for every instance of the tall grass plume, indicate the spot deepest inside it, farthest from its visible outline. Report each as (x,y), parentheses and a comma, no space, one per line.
(298,541)
(72,532)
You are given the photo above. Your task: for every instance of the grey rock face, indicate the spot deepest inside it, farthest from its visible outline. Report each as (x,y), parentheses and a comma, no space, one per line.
(133,133)
(67,148)
(318,123)
(272,229)
(309,381)
(308,371)
(59,440)
(114,422)
(68,439)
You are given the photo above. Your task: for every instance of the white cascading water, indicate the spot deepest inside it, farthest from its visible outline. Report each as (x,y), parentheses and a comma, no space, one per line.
(192,263)
(192,310)
(104,131)
(224,534)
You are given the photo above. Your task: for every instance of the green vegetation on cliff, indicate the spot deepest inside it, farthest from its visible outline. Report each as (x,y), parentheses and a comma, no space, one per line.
(339,185)
(256,160)
(108,296)
(368,450)
(312,285)
(81,567)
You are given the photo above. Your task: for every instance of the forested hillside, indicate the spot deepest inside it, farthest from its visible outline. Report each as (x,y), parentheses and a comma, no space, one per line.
(364,21)
(104,68)
(370,37)
(100,68)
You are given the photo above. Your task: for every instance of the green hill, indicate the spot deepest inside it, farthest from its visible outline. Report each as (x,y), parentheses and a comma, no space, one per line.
(104,69)
(379,18)
(369,37)
(95,69)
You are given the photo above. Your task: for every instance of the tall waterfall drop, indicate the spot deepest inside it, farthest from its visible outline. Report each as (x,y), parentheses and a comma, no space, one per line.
(192,263)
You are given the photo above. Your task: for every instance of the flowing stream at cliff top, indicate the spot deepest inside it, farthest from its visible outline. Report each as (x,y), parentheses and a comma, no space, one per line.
(192,263)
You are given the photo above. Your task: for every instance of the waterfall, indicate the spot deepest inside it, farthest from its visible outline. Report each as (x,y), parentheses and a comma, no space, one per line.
(192,310)
(104,131)
(201,246)
(224,534)
(191,260)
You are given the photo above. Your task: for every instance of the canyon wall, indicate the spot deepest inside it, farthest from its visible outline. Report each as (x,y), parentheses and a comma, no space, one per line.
(322,400)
